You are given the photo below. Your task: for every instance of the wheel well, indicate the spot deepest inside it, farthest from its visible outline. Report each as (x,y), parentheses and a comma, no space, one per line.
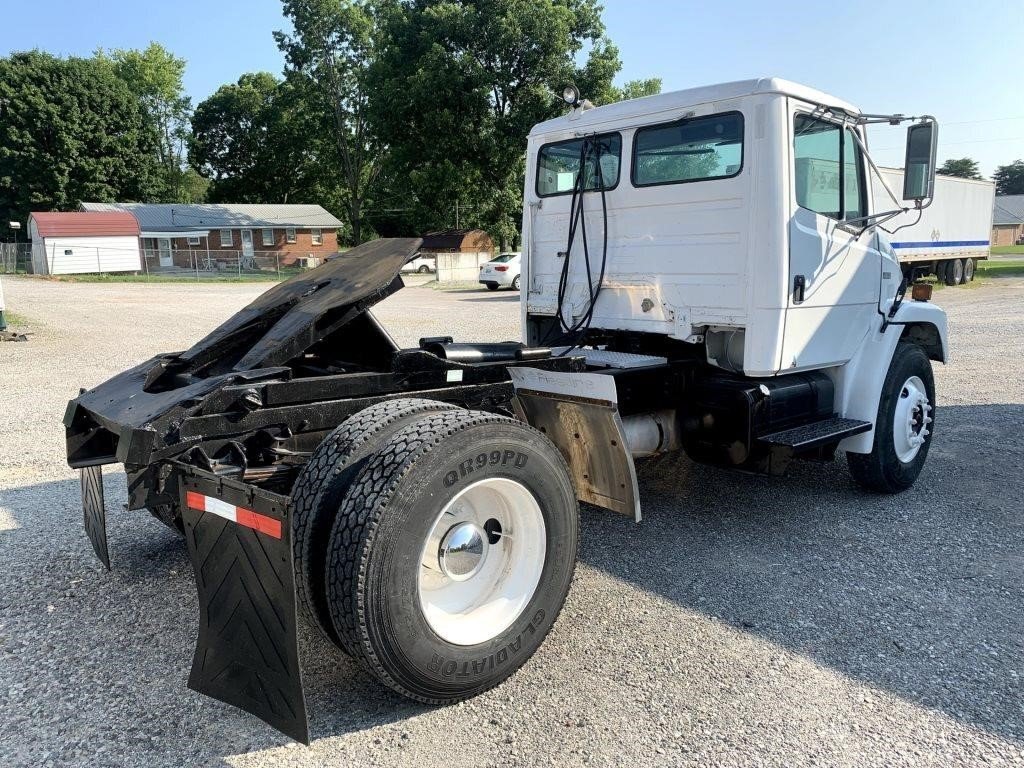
(927,337)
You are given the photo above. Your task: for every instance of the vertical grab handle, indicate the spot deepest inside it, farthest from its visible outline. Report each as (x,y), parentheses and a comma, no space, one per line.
(799,284)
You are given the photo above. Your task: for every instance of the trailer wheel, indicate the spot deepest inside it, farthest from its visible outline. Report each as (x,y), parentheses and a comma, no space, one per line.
(322,483)
(940,271)
(452,554)
(954,271)
(903,427)
(969,267)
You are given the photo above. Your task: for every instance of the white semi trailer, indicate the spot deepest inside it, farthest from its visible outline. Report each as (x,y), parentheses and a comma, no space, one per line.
(949,237)
(703,271)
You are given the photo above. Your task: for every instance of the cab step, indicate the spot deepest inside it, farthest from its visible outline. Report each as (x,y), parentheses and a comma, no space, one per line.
(815,434)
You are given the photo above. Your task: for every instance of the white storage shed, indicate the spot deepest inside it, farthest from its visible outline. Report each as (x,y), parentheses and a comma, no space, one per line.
(78,242)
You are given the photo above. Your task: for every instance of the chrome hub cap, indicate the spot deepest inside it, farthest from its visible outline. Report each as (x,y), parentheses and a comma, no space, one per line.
(911,419)
(462,552)
(482,561)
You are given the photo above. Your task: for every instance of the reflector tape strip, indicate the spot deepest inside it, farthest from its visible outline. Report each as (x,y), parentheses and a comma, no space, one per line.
(239,515)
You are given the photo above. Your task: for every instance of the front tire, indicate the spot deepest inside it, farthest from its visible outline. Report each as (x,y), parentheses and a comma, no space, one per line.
(452,554)
(903,426)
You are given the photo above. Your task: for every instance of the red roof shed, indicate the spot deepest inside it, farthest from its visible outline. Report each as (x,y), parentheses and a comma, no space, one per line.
(85,224)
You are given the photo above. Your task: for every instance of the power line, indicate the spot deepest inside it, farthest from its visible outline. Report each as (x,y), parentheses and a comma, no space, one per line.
(951,143)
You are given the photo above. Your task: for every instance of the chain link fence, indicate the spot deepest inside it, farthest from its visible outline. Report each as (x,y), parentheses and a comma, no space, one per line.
(15,257)
(225,263)
(194,263)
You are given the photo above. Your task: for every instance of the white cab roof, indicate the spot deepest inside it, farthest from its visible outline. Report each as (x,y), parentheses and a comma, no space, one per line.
(675,100)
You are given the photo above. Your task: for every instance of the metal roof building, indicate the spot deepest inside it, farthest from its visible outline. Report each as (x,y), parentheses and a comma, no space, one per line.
(76,242)
(173,219)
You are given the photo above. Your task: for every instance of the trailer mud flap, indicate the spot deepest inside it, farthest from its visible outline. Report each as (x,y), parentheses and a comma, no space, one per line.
(579,413)
(239,541)
(95,512)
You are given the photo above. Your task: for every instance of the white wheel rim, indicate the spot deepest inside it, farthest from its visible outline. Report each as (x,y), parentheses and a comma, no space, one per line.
(475,580)
(911,420)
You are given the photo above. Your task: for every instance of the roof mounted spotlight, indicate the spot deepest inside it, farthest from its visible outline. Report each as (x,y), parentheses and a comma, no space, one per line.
(571,95)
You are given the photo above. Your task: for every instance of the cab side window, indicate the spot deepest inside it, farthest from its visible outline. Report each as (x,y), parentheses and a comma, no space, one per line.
(828,172)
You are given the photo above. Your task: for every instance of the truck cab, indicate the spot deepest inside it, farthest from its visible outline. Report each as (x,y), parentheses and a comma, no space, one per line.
(733,223)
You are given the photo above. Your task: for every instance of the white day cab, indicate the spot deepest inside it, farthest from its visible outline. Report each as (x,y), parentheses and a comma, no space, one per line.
(702,271)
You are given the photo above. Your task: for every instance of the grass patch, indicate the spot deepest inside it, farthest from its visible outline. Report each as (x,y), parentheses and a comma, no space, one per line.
(1001,268)
(14,320)
(1007,250)
(185,277)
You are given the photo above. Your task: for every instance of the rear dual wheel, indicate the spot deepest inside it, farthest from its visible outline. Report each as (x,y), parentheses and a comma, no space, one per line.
(954,272)
(322,484)
(450,553)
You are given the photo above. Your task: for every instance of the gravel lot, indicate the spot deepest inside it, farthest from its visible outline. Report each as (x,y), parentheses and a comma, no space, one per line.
(747,621)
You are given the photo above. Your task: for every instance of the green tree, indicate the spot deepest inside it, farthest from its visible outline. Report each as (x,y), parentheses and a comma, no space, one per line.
(1009,179)
(246,141)
(456,88)
(965,168)
(70,130)
(155,76)
(636,89)
(328,55)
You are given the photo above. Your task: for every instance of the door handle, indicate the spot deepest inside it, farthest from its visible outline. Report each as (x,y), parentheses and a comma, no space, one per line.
(799,284)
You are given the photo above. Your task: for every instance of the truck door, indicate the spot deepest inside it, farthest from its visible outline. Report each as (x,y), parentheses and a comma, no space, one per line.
(834,276)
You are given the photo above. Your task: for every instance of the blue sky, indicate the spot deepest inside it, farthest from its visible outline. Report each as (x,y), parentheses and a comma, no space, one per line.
(955,60)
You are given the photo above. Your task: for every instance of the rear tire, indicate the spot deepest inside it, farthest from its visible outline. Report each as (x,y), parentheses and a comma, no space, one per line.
(322,483)
(906,412)
(515,283)
(492,286)
(430,633)
(940,271)
(424,269)
(969,267)
(954,272)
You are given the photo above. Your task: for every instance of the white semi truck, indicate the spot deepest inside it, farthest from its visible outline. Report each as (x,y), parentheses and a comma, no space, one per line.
(949,237)
(702,271)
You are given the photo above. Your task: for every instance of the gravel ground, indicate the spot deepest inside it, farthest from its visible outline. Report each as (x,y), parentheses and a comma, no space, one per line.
(747,621)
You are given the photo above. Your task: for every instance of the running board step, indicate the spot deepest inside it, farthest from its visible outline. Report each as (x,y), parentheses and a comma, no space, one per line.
(816,434)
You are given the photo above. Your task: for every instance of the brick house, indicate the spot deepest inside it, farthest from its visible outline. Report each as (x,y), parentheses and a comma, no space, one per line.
(1008,220)
(219,235)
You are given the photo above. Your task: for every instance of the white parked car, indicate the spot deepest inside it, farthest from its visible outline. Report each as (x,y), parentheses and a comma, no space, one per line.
(421,264)
(502,271)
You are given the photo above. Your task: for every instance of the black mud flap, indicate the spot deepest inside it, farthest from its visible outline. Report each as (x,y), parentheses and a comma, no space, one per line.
(239,540)
(95,511)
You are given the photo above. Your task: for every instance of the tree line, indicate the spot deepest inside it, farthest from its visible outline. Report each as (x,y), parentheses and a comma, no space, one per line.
(392,114)
(1009,179)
